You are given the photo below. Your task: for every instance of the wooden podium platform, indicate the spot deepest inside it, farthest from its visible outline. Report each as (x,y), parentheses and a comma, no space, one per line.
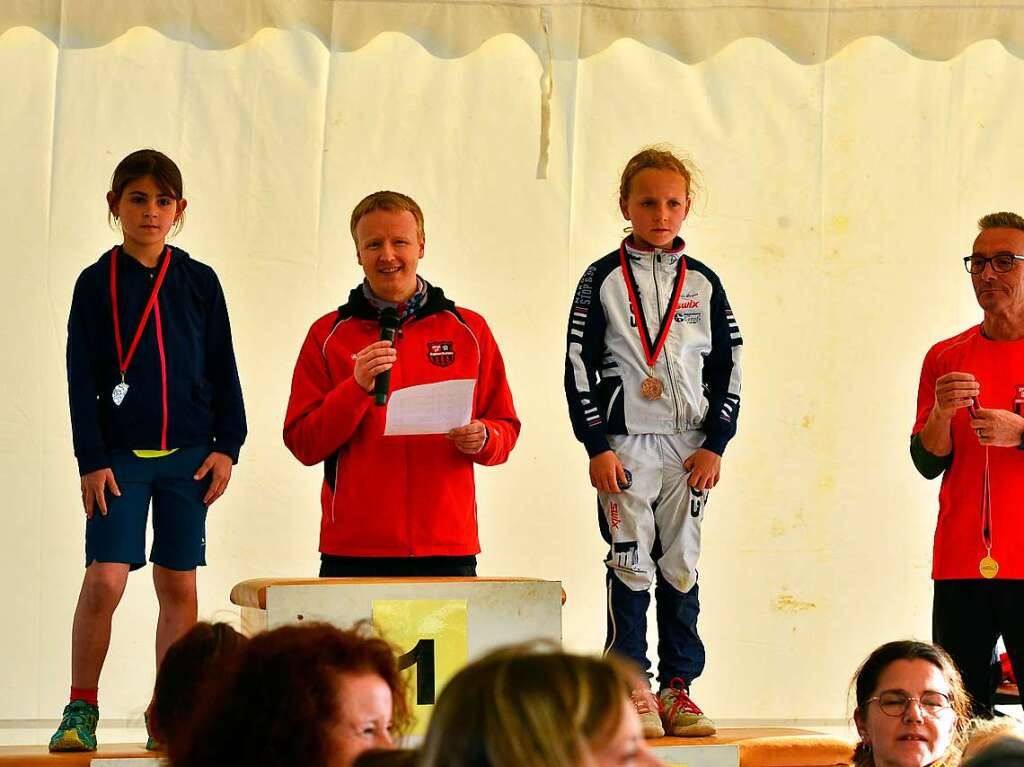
(755,747)
(731,747)
(272,602)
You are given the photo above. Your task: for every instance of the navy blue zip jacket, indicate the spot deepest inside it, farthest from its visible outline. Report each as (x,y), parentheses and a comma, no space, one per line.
(202,393)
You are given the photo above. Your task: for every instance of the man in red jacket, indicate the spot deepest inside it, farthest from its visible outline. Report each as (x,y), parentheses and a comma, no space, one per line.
(396,505)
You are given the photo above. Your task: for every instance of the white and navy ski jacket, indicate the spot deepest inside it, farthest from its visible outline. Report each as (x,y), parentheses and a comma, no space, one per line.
(605,364)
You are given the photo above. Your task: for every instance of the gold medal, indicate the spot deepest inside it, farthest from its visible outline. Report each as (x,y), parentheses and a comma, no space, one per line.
(988,567)
(652,389)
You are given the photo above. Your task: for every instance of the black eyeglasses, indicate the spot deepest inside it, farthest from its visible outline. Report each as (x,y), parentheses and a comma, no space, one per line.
(1001,262)
(895,702)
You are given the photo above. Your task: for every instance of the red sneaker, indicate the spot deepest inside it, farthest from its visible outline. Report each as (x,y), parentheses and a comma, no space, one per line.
(647,707)
(682,717)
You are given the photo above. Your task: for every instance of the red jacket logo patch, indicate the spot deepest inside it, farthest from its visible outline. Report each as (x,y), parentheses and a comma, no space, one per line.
(441,353)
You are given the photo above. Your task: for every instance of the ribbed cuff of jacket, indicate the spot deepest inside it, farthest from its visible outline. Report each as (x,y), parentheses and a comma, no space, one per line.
(928,464)
(715,443)
(596,444)
(487,450)
(228,446)
(91,461)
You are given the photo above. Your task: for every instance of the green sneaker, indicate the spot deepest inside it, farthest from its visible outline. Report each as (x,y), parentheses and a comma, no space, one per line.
(77,731)
(152,744)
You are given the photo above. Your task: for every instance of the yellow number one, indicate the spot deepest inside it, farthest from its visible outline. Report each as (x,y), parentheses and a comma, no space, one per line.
(433,633)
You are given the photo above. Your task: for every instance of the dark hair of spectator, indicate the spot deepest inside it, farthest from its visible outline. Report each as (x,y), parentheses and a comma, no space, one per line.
(379,757)
(200,656)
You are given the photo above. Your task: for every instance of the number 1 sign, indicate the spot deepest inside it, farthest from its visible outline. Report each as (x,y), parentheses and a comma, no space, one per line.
(433,633)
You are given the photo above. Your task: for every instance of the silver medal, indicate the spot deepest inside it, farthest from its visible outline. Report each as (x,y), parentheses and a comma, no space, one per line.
(119,391)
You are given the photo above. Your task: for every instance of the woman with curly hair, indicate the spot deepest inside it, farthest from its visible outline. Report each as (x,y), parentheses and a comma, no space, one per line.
(310,695)
(536,707)
(911,707)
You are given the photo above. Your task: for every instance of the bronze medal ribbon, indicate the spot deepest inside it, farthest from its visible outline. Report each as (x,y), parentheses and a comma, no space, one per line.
(652,350)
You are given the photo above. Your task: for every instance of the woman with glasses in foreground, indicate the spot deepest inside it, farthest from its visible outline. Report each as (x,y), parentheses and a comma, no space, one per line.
(911,707)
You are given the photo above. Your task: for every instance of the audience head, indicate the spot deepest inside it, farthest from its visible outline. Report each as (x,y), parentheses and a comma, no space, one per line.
(311,694)
(911,707)
(536,707)
(201,655)
(379,757)
(1005,751)
(983,733)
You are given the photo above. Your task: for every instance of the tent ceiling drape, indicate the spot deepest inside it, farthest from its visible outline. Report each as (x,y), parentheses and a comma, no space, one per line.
(808,31)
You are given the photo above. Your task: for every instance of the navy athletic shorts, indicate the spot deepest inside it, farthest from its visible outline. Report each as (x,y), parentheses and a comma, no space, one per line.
(179,514)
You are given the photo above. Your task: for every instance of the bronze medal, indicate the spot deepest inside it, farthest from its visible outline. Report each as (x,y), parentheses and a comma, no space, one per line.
(652,389)
(988,567)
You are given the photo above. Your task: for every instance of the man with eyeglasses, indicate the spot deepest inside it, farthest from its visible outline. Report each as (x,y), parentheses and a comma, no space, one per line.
(970,429)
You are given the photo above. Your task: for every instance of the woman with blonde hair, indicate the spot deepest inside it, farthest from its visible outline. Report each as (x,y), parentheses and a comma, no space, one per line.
(912,709)
(982,733)
(531,706)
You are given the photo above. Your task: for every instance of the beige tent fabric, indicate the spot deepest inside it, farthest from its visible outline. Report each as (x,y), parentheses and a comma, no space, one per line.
(808,31)
(839,193)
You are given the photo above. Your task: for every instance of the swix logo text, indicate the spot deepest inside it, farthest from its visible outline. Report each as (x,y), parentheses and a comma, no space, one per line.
(613,515)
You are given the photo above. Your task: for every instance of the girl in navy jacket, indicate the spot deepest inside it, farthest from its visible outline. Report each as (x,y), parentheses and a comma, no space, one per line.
(157,418)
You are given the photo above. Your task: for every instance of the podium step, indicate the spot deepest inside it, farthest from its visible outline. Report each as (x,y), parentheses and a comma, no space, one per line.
(127,754)
(730,747)
(756,747)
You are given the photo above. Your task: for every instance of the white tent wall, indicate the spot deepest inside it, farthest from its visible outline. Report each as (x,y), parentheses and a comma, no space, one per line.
(842,176)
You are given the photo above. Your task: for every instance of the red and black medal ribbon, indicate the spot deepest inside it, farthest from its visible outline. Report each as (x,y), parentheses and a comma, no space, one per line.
(652,349)
(125,360)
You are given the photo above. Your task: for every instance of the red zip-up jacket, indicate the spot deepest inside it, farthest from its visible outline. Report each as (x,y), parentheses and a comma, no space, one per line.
(396,496)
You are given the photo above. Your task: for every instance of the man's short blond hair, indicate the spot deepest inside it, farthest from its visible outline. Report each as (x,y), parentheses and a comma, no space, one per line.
(1002,220)
(394,202)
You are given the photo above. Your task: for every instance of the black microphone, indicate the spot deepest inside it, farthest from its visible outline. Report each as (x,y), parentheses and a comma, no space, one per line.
(388,326)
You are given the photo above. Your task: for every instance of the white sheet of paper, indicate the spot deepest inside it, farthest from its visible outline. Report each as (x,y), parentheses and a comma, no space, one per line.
(430,408)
